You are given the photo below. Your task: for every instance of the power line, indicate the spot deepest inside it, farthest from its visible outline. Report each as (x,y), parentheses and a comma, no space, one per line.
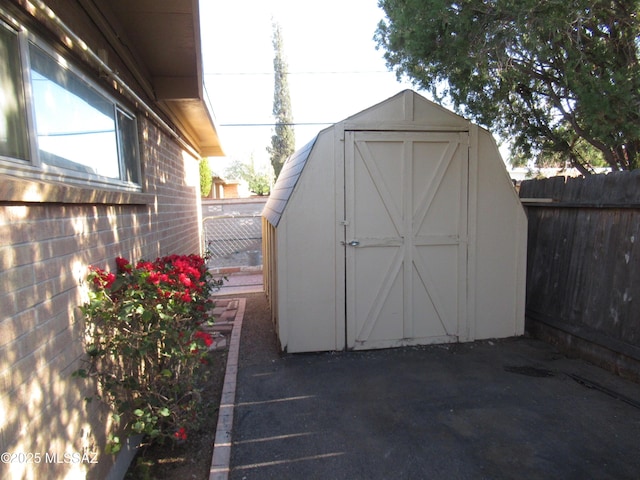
(273,124)
(355,72)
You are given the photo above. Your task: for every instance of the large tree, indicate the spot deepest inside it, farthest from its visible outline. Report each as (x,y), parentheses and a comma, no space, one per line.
(258,180)
(557,77)
(283,141)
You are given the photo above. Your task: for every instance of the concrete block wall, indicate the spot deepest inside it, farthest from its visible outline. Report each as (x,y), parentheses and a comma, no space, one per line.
(45,249)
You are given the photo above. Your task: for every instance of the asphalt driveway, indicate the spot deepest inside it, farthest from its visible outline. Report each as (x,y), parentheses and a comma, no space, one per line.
(514,409)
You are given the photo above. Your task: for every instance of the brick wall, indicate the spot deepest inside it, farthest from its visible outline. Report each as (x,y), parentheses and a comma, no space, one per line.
(45,249)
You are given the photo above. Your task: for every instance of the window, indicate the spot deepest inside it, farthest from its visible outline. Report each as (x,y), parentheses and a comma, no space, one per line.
(79,133)
(13,121)
(128,144)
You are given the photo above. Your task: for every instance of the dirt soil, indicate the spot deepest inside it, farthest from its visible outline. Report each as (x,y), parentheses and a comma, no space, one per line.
(191,460)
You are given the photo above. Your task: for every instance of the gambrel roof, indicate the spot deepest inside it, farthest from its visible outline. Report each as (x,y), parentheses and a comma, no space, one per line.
(286,182)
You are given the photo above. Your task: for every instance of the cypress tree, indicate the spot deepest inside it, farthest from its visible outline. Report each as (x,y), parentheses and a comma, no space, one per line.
(283,140)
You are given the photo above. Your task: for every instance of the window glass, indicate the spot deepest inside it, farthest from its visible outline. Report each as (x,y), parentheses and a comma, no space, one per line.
(13,123)
(75,125)
(128,142)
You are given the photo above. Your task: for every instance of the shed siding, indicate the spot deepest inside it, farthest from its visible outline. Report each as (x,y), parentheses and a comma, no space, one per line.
(310,302)
(308,237)
(501,247)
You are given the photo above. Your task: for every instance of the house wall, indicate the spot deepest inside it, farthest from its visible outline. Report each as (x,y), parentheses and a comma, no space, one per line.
(49,235)
(45,249)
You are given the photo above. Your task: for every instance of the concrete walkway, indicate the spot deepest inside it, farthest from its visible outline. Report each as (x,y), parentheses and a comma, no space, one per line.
(511,409)
(234,308)
(239,283)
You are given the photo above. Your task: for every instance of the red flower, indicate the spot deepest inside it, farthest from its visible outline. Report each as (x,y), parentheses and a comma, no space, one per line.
(154,278)
(102,279)
(96,278)
(109,280)
(124,266)
(206,338)
(186,281)
(142,265)
(181,434)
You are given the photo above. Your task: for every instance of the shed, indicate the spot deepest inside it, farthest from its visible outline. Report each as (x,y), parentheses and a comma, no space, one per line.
(396,226)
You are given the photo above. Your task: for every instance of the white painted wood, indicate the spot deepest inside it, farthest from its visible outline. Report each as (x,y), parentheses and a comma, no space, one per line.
(442,243)
(340,238)
(307,252)
(472,224)
(500,244)
(406,209)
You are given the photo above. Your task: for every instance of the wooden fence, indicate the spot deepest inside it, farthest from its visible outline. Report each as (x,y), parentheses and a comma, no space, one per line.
(583,272)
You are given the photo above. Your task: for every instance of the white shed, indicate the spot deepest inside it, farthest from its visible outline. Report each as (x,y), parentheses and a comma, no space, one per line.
(397,226)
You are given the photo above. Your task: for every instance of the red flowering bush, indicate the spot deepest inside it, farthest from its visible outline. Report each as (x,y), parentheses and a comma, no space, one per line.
(145,342)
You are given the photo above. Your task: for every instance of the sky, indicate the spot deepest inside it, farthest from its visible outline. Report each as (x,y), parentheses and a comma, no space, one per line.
(335,70)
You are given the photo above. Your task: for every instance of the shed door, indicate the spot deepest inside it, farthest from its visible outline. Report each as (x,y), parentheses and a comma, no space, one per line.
(406,237)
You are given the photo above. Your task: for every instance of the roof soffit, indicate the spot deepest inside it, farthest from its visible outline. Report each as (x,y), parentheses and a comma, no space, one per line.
(163,37)
(166,36)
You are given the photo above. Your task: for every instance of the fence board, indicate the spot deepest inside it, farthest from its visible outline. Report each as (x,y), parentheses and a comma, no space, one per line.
(583,261)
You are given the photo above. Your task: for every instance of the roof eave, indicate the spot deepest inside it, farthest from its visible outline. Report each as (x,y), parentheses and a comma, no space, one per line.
(166,36)
(195,121)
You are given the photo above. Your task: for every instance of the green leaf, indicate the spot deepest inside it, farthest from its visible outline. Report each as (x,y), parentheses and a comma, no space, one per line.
(143,340)
(113,448)
(113,444)
(547,76)
(93,350)
(118,283)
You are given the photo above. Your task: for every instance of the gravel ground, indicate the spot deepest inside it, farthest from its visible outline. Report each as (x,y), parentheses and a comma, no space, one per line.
(258,343)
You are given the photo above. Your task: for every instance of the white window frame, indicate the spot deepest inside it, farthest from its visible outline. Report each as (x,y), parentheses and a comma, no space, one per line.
(32,167)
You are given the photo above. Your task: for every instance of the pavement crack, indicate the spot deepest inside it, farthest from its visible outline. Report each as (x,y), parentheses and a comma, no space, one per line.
(529,371)
(601,388)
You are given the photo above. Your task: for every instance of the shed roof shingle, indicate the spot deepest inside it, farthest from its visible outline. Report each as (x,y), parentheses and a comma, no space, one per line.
(286,183)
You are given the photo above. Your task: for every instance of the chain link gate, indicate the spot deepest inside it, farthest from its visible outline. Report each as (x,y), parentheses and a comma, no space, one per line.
(233,240)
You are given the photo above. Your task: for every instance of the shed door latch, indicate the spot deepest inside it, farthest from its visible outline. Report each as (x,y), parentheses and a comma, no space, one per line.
(352,243)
